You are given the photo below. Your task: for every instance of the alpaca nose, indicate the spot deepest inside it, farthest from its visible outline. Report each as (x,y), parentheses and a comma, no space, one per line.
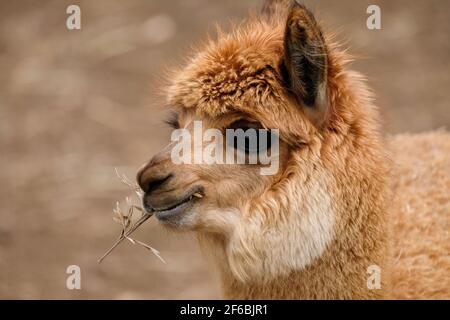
(153,175)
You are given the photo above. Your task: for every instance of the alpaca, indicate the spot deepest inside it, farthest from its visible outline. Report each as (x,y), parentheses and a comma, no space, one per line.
(344,200)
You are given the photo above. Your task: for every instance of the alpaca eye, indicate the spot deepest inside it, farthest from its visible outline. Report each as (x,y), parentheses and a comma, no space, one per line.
(251,140)
(172,121)
(264,140)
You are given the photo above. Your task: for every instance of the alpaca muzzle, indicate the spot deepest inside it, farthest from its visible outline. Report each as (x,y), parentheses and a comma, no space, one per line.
(168,194)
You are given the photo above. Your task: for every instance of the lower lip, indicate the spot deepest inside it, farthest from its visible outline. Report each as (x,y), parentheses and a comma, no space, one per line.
(169,214)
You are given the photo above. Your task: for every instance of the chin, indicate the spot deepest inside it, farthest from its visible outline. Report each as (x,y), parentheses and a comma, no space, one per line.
(181,219)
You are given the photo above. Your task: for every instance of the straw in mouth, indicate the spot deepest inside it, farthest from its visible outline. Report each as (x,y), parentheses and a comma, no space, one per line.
(125,220)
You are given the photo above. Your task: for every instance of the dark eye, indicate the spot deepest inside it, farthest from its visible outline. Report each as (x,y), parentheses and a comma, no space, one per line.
(172,121)
(249,139)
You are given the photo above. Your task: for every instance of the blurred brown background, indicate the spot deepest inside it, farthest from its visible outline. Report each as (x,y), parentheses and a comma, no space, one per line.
(76,104)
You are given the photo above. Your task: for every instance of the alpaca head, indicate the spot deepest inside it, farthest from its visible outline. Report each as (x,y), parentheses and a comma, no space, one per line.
(277,73)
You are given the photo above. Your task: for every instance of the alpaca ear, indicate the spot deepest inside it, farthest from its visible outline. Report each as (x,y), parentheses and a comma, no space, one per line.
(305,62)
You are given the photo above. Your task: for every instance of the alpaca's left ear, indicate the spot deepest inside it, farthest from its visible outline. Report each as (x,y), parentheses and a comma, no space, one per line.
(305,62)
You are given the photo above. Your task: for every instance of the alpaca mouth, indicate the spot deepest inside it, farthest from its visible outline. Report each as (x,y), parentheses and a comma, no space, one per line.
(176,208)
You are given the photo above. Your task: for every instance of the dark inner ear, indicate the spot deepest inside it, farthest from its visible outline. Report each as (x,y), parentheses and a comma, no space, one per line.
(305,59)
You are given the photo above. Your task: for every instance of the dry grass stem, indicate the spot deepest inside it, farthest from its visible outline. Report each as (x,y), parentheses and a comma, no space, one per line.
(125,219)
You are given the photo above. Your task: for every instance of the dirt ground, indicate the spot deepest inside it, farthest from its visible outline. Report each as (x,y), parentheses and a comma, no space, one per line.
(76,104)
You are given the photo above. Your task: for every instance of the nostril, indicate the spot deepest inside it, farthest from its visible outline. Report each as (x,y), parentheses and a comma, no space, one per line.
(153,184)
(152,175)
